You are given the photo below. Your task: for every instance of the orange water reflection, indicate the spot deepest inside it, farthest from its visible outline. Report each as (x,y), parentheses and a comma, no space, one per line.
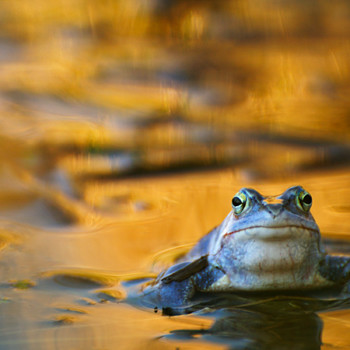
(127,127)
(127,243)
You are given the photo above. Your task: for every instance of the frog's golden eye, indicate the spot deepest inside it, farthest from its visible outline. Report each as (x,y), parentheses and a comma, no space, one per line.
(304,201)
(239,202)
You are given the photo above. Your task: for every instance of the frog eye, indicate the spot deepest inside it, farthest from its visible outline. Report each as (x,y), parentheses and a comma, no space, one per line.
(304,201)
(239,202)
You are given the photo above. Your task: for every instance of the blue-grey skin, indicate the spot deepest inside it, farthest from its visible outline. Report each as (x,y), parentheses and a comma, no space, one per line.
(264,244)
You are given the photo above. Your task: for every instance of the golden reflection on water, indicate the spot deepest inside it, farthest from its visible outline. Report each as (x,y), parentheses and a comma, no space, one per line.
(87,260)
(112,114)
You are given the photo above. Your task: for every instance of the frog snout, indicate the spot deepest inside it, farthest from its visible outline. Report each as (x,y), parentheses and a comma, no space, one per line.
(274,209)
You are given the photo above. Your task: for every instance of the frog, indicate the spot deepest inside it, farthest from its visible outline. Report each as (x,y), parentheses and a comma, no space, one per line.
(265,244)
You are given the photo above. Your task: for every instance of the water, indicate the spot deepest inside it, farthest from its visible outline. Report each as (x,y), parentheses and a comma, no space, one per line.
(127,127)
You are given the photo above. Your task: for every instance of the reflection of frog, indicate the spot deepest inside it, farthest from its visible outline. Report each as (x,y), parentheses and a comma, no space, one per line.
(241,329)
(265,244)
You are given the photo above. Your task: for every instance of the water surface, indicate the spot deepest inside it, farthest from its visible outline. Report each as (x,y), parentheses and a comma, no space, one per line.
(127,127)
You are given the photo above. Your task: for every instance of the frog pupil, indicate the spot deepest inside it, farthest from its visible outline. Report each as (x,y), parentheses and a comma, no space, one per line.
(307,199)
(236,201)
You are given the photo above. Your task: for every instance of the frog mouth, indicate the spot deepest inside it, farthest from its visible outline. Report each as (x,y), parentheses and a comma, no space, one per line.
(277,232)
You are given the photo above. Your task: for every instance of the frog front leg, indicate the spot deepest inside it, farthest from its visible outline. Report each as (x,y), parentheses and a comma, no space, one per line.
(174,298)
(174,289)
(336,269)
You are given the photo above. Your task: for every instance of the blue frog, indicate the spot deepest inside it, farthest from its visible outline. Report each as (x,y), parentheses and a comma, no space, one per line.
(265,244)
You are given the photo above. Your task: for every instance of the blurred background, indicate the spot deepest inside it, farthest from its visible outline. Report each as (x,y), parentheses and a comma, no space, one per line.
(127,126)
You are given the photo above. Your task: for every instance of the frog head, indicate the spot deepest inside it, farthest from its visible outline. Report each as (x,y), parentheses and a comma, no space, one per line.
(269,242)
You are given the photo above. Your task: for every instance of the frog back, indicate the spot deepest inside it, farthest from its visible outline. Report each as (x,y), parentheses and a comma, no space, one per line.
(206,243)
